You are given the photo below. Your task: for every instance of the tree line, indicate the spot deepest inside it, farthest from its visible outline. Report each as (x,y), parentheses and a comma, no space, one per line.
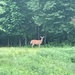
(24,20)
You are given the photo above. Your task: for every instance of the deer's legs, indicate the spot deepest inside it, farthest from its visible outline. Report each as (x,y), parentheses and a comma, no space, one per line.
(32,45)
(39,45)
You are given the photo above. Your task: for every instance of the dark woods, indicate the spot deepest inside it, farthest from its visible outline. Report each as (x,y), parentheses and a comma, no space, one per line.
(24,20)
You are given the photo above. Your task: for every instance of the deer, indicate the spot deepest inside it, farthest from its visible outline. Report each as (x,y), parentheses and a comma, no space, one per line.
(37,42)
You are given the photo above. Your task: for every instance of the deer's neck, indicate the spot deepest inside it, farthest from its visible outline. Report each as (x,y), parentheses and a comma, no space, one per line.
(41,39)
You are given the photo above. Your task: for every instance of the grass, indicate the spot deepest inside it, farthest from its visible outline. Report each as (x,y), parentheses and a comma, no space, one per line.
(37,61)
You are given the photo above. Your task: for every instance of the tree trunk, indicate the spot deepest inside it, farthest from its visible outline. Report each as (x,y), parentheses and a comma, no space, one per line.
(8,41)
(19,41)
(45,38)
(25,41)
(38,32)
(11,43)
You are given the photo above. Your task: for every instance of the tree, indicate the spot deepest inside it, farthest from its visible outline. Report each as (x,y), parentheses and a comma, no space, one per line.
(22,20)
(56,15)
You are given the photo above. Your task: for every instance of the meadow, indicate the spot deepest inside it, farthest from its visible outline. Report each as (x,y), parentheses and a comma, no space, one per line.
(37,61)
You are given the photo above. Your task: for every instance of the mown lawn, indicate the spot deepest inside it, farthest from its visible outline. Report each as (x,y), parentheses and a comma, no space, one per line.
(37,61)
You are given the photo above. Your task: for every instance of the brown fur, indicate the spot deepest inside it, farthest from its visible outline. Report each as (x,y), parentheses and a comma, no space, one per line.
(37,42)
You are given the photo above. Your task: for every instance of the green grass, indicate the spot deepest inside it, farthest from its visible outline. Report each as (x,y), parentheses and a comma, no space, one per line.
(37,61)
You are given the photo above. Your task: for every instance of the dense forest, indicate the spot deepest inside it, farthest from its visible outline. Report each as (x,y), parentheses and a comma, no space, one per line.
(23,20)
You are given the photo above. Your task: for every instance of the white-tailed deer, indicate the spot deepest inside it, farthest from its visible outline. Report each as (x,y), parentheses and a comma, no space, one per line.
(37,42)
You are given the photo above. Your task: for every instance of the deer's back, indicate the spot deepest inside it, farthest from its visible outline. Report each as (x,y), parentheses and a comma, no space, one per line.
(36,41)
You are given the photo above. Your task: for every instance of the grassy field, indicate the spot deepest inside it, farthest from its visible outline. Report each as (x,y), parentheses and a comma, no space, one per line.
(37,61)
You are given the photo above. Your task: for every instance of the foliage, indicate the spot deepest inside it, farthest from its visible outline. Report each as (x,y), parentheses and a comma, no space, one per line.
(31,18)
(42,61)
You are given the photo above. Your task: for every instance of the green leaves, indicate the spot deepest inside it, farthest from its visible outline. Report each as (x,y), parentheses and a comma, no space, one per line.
(36,17)
(49,5)
(33,5)
(38,20)
(2,10)
(2,4)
